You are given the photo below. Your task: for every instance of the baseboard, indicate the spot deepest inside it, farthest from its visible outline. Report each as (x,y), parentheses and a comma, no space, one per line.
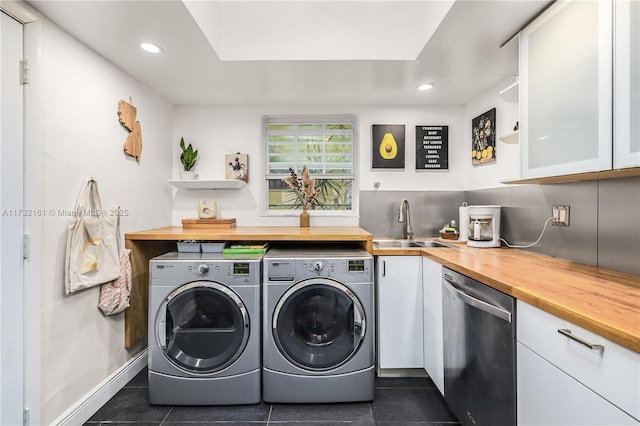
(82,410)
(402,372)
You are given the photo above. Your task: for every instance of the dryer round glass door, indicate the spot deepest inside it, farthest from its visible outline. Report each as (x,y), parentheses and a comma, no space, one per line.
(318,324)
(202,327)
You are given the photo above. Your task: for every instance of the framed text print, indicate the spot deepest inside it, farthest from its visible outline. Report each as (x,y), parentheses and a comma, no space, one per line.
(432,147)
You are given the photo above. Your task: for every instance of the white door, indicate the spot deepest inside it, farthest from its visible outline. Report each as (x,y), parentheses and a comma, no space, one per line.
(11,222)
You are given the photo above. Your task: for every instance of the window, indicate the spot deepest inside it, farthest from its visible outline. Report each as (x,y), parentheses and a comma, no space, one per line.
(326,146)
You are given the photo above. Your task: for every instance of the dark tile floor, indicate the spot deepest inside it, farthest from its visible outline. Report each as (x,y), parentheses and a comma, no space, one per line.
(398,401)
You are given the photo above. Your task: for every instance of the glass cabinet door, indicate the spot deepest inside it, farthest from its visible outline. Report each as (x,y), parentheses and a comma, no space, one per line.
(626,134)
(565,78)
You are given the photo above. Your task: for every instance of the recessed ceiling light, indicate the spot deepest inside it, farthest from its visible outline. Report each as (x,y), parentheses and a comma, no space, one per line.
(425,86)
(150,47)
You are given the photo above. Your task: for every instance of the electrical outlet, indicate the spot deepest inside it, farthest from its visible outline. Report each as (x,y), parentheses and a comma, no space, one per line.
(560,215)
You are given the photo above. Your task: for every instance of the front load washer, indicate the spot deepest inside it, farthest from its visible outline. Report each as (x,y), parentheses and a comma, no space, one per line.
(204,329)
(318,324)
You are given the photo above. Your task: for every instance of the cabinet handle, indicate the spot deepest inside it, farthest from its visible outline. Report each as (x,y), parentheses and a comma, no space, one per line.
(566,332)
(384,268)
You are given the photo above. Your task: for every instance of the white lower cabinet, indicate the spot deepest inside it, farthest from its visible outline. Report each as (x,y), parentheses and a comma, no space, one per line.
(399,300)
(432,321)
(549,396)
(561,381)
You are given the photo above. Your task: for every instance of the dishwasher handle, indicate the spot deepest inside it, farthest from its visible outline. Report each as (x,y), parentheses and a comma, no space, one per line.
(479,304)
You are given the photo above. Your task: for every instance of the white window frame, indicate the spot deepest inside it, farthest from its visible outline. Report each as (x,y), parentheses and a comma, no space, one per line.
(310,119)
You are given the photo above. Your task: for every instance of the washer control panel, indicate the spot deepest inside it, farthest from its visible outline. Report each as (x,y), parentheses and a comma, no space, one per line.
(322,268)
(346,270)
(337,268)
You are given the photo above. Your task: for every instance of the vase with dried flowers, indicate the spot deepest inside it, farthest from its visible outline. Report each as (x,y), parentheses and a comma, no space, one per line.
(305,190)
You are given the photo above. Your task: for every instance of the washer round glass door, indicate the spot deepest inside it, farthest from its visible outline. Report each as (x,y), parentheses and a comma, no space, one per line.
(318,324)
(202,327)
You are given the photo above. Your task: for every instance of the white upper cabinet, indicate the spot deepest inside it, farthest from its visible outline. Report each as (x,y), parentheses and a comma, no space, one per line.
(566,90)
(627,84)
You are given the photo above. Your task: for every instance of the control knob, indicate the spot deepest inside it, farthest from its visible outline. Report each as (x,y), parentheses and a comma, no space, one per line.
(203,269)
(318,266)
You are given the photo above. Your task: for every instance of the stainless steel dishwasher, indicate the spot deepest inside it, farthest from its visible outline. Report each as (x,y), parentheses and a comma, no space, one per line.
(479,351)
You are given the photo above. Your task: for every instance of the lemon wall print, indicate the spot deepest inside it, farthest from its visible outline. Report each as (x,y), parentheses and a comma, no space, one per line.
(387,143)
(483,138)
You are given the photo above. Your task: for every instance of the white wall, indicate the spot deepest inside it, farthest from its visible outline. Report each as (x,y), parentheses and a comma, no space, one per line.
(507,164)
(81,137)
(216,131)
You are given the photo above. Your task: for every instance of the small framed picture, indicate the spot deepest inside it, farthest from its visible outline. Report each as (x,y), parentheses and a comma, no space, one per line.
(237,167)
(387,146)
(483,138)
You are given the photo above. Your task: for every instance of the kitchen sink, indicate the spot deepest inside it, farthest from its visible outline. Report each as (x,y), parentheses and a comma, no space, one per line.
(409,244)
(435,244)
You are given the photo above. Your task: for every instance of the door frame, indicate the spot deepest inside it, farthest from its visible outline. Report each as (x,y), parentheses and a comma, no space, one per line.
(12,293)
(32,277)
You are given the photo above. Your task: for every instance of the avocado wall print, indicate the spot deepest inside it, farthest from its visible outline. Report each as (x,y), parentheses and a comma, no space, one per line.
(387,146)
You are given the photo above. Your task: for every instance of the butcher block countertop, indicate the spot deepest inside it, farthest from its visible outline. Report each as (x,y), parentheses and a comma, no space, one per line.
(257,233)
(601,300)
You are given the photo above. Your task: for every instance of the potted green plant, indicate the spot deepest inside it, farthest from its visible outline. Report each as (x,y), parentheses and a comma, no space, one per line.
(188,159)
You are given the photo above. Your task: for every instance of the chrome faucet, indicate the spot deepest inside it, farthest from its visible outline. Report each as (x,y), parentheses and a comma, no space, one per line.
(404,205)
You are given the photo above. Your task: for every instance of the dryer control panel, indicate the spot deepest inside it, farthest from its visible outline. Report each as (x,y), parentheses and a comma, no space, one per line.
(166,270)
(343,270)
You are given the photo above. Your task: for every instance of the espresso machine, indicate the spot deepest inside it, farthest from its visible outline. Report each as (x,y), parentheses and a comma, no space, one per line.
(484,226)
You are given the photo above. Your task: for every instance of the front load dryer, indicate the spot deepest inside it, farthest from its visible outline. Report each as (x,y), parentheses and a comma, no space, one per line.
(204,330)
(318,325)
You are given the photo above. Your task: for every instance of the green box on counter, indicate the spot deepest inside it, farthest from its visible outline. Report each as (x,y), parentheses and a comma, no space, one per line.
(248,248)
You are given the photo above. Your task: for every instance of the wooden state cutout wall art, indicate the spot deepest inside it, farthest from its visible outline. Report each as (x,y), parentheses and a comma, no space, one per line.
(127,116)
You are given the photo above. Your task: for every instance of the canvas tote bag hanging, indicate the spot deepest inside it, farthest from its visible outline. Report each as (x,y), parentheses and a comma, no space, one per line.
(92,256)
